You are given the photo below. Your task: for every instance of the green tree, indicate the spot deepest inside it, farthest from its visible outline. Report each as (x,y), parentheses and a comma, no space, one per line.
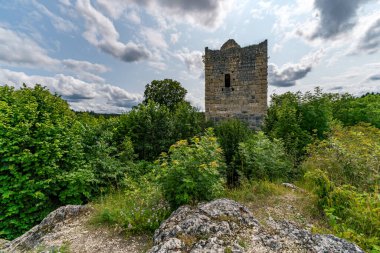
(297,119)
(187,121)
(190,171)
(165,92)
(230,133)
(41,158)
(352,110)
(150,128)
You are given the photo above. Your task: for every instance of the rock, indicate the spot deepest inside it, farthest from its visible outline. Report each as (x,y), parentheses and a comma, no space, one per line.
(3,242)
(293,187)
(209,227)
(285,236)
(226,226)
(32,238)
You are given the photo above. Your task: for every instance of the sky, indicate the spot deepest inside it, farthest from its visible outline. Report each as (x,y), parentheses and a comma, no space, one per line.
(99,54)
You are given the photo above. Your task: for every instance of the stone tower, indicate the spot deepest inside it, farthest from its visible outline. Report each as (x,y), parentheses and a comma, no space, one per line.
(236,82)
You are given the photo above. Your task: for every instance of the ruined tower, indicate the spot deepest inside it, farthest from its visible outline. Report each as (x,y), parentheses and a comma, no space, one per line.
(236,82)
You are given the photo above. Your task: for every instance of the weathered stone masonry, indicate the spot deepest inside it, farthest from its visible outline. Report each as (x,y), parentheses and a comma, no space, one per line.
(236,82)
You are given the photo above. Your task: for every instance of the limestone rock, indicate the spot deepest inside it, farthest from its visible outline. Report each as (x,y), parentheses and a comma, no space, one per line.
(226,226)
(33,237)
(210,227)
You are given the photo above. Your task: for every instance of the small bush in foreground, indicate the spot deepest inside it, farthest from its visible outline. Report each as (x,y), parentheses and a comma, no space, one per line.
(191,171)
(138,210)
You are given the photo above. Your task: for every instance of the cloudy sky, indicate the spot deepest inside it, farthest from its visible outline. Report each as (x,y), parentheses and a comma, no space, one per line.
(100,54)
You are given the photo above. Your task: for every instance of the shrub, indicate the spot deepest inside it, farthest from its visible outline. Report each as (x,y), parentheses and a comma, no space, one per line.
(230,133)
(352,215)
(41,158)
(262,158)
(150,127)
(350,155)
(139,209)
(297,118)
(108,160)
(353,110)
(191,171)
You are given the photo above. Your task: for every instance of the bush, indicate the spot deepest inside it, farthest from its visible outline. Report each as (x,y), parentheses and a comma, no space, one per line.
(108,160)
(191,171)
(42,161)
(139,209)
(262,158)
(350,155)
(352,215)
(351,110)
(297,118)
(230,133)
(150,127)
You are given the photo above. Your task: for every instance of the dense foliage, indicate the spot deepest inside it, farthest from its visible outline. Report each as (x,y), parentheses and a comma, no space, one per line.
(191,171)
(152,127)
(344,172)
(352,214)
(51,156)
(350,155)
(165,92)
(263,159)
(42,161)
(297,118)
(352,110)
(230,133)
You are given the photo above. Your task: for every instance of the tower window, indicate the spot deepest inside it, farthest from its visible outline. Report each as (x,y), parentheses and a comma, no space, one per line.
(227,80)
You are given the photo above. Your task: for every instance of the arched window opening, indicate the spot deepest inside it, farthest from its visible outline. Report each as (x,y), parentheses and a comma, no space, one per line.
(227,80)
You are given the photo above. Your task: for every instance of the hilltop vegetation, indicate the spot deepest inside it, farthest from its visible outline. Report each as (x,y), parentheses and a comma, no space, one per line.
(137,167)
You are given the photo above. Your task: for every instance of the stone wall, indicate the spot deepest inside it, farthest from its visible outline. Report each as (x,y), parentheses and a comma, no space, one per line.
(246,96)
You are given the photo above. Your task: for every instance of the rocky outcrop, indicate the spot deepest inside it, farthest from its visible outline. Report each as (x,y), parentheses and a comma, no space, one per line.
(211,227)
(226,226)
(33,237)
(222,226)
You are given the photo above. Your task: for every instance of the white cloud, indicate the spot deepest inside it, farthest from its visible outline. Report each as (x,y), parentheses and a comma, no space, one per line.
(153,37)
(58,22)
(192,60)
(174,37)
(133,16)
(65,2)
(114,8)
(101,33)
(290,73)
(208,14)
(85,66)
(17,49)
(81,95)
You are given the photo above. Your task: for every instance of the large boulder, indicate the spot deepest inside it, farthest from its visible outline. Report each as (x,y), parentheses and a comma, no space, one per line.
(33,237)
(224,225)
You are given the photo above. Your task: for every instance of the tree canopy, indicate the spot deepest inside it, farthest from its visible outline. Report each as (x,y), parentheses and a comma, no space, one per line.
(166,92)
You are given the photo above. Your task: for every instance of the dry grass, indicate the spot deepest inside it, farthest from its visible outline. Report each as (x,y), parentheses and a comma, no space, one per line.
(270,200)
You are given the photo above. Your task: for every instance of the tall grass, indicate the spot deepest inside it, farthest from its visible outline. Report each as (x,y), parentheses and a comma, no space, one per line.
(137,210)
